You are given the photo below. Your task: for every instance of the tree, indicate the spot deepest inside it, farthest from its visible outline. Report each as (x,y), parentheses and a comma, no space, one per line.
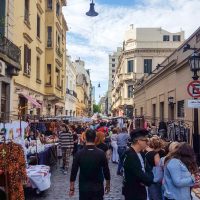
(96,108)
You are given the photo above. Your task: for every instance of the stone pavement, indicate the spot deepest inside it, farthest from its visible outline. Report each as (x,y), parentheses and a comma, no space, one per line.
(60,187)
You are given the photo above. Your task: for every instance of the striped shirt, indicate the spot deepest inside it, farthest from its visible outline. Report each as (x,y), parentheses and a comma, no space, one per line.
(66,140)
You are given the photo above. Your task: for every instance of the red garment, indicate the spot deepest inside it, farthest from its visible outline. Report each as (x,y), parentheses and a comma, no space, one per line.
(103,129)
(13,162)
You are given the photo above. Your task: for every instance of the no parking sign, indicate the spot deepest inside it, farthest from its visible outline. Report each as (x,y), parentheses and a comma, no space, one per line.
(193,89)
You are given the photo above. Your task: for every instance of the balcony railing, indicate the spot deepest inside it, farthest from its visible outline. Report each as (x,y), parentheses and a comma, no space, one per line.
(71,92)
(10,49)
(58,51)
(26,16)
(49,43)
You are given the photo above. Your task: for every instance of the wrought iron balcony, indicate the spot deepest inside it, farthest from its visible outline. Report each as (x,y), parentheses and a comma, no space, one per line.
(9,49)
(71,92)
(74,94)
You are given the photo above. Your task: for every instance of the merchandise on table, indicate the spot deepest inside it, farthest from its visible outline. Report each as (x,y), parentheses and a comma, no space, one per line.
(39,177)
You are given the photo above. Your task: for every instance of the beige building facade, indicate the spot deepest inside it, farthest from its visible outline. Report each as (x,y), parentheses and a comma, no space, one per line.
(163,96)
(83,89)
(143,50)
(10,59)
(40,31)
(113,63)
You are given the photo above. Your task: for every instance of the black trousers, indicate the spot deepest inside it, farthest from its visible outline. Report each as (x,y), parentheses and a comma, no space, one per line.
(90,196)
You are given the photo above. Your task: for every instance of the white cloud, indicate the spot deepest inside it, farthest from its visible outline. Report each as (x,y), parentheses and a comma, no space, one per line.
(103,34)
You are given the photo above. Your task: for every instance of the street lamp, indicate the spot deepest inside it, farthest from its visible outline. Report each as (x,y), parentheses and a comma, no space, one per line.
(92,12)
(194,61)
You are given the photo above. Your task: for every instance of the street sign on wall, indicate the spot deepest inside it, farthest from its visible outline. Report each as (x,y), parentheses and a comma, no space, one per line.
(194,103)
(193,89)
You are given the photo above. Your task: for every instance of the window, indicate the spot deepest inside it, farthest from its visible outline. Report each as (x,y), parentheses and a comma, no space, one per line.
(49,36)
(130,66)
(130,91)
(176,38)
(180,109)
(141,111)
(38,69)
(112,76)
(135,112)
(57,77)
(4,100)
(165,37)
(154,112)
(113,71)
(48,74)
(49,4)
(26,11)
(38,26)
(113,59)
(2,17)
(27,60)
(57,42)
(57,9)
(113,65)
(66,112)
(148,66)
(161,111)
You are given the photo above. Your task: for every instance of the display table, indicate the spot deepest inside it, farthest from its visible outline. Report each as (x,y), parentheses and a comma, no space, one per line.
(48,156)
(39,177)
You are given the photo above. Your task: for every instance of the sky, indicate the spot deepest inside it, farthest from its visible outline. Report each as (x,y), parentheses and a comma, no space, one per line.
(92,39)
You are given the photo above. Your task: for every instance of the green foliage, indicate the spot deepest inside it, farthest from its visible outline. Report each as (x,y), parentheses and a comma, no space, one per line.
(96,108)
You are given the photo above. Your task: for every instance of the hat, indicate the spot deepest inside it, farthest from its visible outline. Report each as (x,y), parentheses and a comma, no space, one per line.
(137,133)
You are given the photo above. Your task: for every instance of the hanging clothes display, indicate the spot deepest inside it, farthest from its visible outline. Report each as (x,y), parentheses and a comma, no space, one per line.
(12,163)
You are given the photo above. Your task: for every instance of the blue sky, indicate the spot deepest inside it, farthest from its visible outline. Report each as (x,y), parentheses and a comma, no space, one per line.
(93,39)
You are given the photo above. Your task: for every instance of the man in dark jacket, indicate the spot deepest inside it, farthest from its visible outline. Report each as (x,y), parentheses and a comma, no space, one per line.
(93,166)
(137,173)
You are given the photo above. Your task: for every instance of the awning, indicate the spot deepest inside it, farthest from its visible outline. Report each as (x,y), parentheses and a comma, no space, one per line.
(32,100)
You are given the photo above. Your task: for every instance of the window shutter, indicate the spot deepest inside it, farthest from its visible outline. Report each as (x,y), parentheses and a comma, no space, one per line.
(25,59)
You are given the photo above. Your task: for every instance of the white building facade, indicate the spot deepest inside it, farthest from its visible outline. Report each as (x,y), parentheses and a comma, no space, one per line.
(71,95)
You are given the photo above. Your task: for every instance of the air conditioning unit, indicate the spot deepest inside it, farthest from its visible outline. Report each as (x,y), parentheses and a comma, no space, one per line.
(2,68)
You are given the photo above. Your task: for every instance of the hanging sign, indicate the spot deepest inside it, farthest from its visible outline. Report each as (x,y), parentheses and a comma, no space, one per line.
(194,103)
(193,89)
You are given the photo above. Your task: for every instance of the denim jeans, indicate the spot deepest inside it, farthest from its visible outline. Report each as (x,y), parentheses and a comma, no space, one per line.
(155,191)
(121,151)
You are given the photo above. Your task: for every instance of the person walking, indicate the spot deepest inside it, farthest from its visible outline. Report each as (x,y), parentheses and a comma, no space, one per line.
(94,168)
(122,141)
(115,155)
(153,154)
(137,173)
(66,142)
(179,173)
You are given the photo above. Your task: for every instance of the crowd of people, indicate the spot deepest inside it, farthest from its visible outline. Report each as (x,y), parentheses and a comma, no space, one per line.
(152,168)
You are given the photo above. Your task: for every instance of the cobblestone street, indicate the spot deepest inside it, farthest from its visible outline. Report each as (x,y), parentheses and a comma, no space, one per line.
(60,187)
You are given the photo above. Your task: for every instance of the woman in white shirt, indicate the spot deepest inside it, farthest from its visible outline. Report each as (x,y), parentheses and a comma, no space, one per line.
(115,155)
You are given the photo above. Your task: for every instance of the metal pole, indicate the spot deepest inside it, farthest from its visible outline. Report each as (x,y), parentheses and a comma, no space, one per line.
(196,137)
(196,133)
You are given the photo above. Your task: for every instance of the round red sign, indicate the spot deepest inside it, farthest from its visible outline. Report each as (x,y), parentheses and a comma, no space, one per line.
(193,89)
